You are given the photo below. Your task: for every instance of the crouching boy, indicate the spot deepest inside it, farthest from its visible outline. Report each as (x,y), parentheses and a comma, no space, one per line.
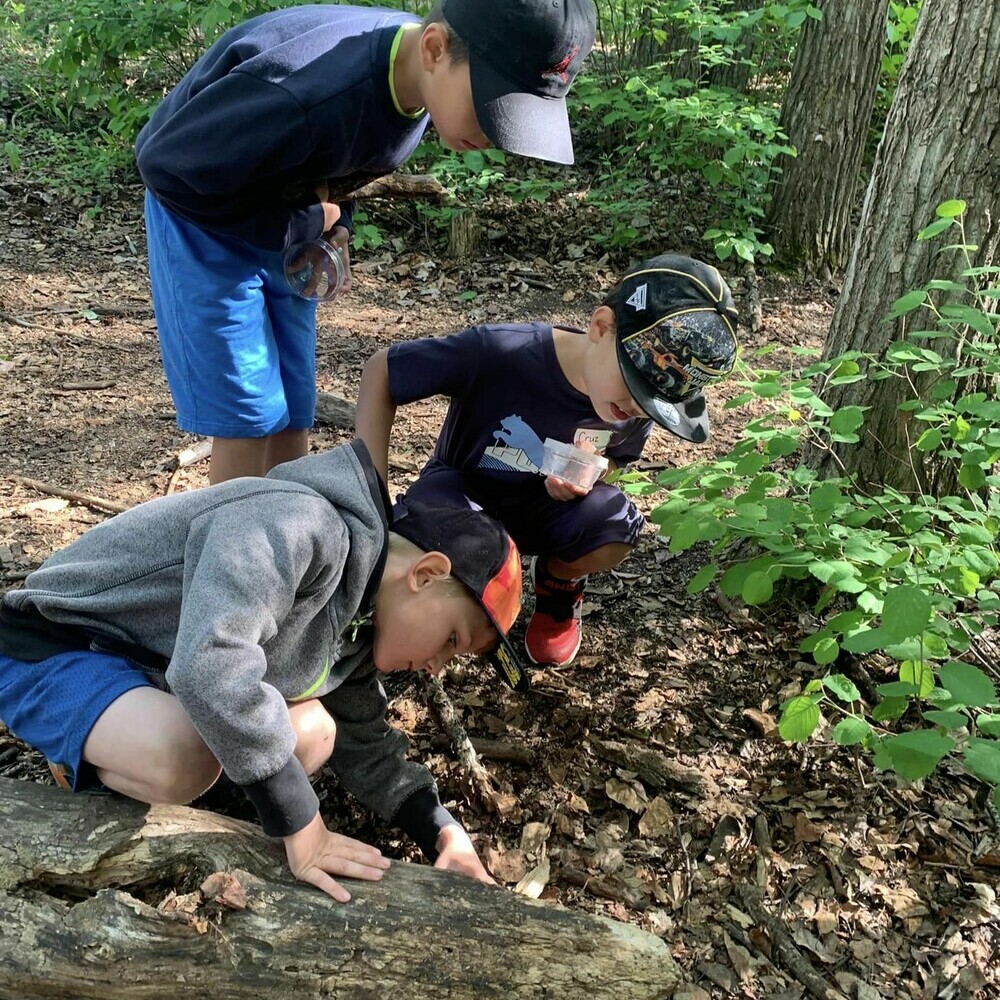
(663,336)
(242,628)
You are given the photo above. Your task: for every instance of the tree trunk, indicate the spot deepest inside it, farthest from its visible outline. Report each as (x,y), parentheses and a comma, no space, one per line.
(825,115)
(81,877)
(942,141)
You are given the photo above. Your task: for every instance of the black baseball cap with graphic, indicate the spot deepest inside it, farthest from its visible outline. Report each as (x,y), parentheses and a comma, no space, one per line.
(676,335)
(523,56)
(484,558)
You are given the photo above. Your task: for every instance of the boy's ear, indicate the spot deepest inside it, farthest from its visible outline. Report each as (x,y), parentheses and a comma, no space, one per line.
(602,323)
(433,46)
(430,568)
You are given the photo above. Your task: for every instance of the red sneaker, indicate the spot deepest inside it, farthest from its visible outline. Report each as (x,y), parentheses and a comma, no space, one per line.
(554,632)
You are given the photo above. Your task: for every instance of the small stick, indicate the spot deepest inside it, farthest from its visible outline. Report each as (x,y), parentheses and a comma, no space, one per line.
(477,780)
(753,299)
(509,753)
(603,889)
(784,947)
(77,386)
(98,503)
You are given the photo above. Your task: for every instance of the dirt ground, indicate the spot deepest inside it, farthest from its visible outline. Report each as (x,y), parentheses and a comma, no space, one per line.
(881,888)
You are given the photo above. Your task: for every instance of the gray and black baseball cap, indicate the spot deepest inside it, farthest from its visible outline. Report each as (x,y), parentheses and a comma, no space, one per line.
(676,335)
(523,56)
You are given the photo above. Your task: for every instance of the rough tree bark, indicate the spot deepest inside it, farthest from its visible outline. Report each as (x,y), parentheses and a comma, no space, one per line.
(81,877)
(826,112)
(942,141)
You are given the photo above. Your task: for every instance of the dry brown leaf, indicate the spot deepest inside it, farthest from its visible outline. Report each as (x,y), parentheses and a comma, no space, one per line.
(506,866)
(533,837)
(903,900)
(225,888)
(629,794)
(658,819)
(740,957)
(577,803)
(805,831)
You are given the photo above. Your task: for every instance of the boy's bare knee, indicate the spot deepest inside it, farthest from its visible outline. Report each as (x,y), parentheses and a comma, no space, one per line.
(316,734)
(190,771)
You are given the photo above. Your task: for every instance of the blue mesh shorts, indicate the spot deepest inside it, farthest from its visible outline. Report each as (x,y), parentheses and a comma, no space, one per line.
(238,347)
(53,704)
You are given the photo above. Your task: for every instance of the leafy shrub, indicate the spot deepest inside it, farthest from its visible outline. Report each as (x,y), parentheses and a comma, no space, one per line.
(915,578)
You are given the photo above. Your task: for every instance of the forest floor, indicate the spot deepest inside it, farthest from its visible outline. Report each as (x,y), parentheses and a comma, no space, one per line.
(881,888)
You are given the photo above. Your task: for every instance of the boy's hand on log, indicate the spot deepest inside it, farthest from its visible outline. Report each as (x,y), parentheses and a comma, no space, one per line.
(314,853)
(456,854)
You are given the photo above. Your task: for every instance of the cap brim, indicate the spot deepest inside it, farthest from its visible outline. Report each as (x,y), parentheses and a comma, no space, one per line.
(687,420)
(508,664)
(518,122)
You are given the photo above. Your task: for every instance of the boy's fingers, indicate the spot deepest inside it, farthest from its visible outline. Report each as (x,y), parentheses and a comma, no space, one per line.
(320,879)
(339,865)
(358,850)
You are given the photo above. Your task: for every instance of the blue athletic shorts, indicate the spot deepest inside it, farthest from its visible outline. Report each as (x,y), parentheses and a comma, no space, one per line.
(539,525)
(239,348)
(53,704)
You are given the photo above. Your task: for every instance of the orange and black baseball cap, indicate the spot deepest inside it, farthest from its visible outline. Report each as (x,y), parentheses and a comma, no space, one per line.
(484,558)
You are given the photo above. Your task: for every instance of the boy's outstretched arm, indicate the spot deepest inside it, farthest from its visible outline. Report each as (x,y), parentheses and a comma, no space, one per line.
(376,410)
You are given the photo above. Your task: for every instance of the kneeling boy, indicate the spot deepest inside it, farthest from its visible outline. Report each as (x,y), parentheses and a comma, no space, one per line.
(241,628)
(662,336)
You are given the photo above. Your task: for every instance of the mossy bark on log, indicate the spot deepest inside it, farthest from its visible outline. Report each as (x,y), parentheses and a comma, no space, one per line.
(80,877)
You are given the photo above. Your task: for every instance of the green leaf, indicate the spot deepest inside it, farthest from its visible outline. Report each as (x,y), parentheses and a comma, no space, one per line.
(918,673)
(684,534)
(929,440)
(906,612)
(757,588)
(988,724)
(890,708)
(950,209)
(950,720)
(826,651)
(937,226)
(907,303)
(843,687)
(702,578)
(851,731)
(914,755)
(972,477)
(897,689)
(968,684)
(799,719)
(847,420)
(982,758)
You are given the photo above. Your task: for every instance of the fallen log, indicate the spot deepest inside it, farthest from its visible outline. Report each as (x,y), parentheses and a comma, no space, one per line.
(332,411)
(81,877)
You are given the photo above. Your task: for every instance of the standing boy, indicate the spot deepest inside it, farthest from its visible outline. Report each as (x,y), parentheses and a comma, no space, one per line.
(255,149)
(662,336)
(242,628)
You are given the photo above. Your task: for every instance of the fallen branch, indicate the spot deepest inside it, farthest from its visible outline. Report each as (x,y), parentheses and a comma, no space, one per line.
(402,186)
(604,890)
(87,499)
(785,948)
(653,768)
(332,411)
(103,898)
(478,785)
(508,753)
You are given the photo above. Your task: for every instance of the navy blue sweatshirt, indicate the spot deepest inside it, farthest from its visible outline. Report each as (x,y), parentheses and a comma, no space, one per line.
(277,105)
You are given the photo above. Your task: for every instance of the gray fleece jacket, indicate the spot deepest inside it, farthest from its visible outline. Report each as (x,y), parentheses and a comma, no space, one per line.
(249,594)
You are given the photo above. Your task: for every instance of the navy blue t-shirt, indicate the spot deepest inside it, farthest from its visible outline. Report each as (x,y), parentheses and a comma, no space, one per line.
(508,394)
(277,105)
